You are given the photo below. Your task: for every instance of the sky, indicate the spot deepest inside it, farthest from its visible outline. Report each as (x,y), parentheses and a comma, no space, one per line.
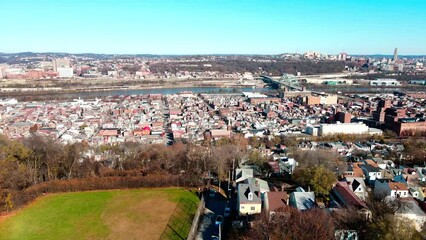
(213,26)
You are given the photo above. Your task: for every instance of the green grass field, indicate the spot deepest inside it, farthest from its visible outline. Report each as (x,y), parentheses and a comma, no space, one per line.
(116,214)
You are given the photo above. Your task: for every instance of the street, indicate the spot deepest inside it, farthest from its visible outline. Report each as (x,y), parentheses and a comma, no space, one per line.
(214,206)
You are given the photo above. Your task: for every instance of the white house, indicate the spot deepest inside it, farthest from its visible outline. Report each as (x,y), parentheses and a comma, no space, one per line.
(357,185)
(383,188)
(416,192)
(248,199)
(372,173)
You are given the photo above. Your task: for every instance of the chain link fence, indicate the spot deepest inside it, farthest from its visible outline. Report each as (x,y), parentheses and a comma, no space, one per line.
(179,224)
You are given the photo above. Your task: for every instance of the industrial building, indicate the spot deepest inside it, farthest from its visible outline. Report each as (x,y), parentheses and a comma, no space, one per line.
(325,100)
(65,72)
(385,82)
(341,128)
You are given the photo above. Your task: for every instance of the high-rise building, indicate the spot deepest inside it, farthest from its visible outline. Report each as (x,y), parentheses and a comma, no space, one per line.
(342,56)
(379,114)
(395,55)
(343,117)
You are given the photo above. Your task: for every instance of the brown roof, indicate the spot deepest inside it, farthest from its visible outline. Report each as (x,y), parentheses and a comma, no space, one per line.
(347,196)
(357,170)
(398,186)
(277,200)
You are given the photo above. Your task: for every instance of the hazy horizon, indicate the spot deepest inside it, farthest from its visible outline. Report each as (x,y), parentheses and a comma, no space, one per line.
(210,54)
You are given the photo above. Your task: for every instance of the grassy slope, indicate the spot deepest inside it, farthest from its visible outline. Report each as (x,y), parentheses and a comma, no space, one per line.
(117,214)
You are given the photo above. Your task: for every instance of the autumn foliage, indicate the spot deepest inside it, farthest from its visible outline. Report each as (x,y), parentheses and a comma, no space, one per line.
(20,198)
(292,224)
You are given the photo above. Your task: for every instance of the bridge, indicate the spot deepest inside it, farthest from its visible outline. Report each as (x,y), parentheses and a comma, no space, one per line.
(287,81)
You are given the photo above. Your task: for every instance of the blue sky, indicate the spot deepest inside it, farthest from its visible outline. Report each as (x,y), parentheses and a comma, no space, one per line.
(213,26)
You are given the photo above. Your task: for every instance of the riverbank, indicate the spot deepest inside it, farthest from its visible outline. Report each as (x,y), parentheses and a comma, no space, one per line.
(366,88)
(63,95)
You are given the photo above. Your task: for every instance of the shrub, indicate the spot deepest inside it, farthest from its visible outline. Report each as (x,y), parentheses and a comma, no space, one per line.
(20,198)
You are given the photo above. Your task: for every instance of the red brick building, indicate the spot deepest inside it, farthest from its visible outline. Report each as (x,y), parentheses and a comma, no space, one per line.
(343,117)
(379,114)
(409,128)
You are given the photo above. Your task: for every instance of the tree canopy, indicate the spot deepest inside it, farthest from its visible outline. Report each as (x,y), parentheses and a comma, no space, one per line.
(317,177)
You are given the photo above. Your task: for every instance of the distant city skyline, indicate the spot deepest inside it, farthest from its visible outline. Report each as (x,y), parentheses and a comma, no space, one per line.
(193,27)
(215,54)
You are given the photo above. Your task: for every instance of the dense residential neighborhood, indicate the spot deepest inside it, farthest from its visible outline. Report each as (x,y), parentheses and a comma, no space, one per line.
(260,153)
(190,117)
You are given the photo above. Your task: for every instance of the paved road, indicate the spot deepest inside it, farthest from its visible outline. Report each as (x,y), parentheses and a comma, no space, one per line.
(214,206)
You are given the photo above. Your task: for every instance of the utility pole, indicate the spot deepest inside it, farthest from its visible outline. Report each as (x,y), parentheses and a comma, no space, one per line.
(233,169)
(229,181)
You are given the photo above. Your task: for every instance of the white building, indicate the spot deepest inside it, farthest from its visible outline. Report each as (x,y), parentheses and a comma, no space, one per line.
(8,101)
(254,95)
(248,76)
(342,56)
(342,128)
(321,80)
(112,73)
(390,189)
(312,55)
(65,72)
(248,199)
(385,82)
(357,185)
